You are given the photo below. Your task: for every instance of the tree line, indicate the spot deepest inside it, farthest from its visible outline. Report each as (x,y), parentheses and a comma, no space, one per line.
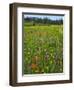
(48,21)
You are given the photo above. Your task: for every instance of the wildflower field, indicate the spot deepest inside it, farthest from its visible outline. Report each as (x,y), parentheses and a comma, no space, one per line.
(43,49)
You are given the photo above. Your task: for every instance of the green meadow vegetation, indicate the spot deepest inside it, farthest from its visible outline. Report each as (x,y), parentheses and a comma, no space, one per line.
(43,46)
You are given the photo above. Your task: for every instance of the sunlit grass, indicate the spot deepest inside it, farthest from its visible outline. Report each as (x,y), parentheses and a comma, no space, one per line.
(43,49)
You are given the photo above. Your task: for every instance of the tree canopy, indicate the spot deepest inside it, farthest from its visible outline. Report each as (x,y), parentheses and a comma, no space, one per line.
(36,20)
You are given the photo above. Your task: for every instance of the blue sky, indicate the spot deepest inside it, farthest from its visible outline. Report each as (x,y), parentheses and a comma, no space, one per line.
(52,17)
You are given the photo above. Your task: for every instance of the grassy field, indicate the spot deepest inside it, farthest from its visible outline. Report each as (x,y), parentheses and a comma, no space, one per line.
(43,49)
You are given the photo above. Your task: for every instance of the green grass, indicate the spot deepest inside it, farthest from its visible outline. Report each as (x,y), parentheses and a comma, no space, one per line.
(43,49)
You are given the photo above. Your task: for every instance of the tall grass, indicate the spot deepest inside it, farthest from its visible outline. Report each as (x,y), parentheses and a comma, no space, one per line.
(43,49)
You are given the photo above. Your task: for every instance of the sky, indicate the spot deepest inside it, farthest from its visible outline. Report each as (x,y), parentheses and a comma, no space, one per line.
(52,17)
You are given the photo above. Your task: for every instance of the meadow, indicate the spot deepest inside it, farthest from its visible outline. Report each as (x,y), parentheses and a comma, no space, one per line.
(43,49)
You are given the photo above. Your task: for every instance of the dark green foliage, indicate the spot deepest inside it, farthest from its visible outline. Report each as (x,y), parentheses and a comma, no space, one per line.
(42,21)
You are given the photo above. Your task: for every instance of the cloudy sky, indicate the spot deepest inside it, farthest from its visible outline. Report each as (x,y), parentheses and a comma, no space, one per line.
(52,17)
